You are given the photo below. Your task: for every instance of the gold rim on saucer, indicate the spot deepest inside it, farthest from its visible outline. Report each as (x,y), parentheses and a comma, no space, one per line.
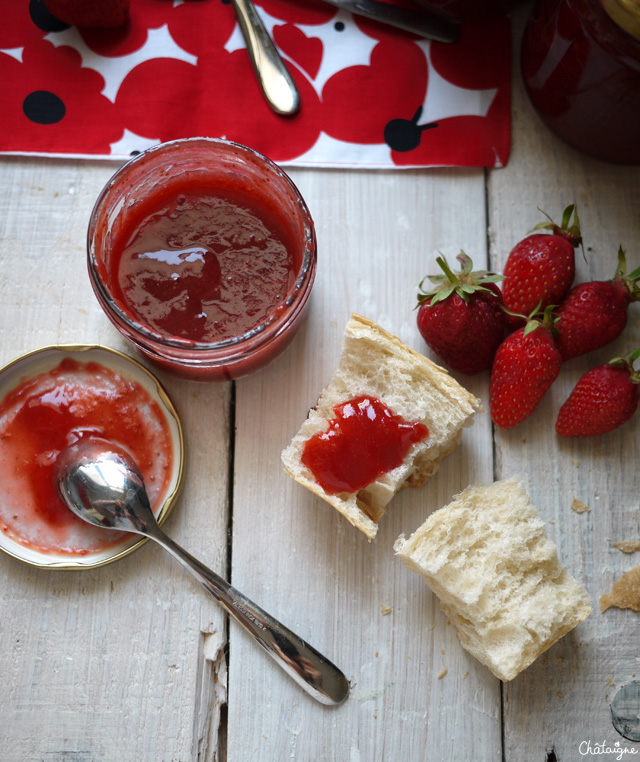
(46,358)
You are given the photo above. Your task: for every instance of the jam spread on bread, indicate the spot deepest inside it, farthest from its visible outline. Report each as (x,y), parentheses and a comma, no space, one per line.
(364,441)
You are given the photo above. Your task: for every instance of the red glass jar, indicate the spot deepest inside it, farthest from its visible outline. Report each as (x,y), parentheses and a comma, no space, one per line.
(469,10)
(202,253)
(581,68)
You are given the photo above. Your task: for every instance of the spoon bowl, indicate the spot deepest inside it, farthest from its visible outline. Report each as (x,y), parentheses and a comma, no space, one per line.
(102,485)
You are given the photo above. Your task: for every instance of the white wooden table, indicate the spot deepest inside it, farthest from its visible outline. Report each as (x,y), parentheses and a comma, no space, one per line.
(132,662)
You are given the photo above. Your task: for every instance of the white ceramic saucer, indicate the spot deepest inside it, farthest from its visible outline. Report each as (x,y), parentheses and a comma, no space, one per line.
(47,358)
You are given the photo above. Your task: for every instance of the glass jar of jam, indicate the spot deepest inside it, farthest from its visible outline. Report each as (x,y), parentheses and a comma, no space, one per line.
(468,10)
(202,253)
(581,68)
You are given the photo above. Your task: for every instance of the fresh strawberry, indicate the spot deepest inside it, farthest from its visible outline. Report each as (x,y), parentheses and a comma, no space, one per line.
(540,269)
(602,400)
(462,318)
(594,314)
(95,14)
(526,364)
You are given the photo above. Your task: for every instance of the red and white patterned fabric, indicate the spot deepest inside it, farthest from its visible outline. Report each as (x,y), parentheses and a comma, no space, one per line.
(372,96)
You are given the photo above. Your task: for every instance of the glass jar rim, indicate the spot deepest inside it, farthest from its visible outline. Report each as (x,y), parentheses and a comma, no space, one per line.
(626,14)
(258,334)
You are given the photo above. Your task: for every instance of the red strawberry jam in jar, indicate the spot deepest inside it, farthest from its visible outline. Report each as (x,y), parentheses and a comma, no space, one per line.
(581,68)
(202,253)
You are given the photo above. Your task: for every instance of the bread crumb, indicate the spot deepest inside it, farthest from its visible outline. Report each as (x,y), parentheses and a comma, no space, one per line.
(385,610)
(609,681)
(559,694)
(627,546)
(578,506)
(443,673)
(466,674)
(442,651)
(625,593)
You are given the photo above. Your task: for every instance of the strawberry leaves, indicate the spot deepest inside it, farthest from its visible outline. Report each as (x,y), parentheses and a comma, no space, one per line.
(464,283)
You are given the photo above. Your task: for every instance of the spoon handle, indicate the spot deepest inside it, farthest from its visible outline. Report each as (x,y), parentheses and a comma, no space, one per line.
(310,669)
(274,79)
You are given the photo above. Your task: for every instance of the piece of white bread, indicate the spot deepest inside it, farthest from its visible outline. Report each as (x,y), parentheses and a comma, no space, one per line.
(373,362)
(497,575)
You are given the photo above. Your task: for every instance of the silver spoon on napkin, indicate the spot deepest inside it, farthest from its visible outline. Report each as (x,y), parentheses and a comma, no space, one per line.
(102,485)
(277,85)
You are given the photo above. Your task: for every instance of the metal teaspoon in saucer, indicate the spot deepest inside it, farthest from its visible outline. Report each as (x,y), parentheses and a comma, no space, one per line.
(102,485)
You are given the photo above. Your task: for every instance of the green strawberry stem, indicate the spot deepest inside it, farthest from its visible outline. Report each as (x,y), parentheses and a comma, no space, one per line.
(447,270)
(631,280)
(626,361)
(535,320)
(566,228)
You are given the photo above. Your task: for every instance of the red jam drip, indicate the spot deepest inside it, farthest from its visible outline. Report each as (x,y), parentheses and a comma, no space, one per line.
(46,414)
(203,264)
(364,441)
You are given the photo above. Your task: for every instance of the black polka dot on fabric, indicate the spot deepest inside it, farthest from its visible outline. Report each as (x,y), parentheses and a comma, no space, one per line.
(44,19)
(43,107)
(339,26)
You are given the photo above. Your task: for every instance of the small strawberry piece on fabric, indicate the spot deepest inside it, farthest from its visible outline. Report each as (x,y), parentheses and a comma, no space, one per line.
(91,14)
(595,313)
(526,364)
(540,269)
(461,318)
(604,399)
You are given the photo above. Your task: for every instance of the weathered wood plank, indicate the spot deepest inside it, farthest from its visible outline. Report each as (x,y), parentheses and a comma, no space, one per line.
(118,662)
(563,699)
(378,236)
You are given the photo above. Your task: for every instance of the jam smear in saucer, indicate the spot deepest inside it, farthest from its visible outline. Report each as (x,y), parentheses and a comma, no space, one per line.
(47,413)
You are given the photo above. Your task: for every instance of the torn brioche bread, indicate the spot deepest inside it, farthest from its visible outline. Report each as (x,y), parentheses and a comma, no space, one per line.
(376,365)
(497,575)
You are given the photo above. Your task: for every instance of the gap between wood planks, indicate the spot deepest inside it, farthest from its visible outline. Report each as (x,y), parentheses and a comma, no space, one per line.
(211,711)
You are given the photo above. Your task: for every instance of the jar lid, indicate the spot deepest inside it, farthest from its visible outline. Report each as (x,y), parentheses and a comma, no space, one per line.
(626,14)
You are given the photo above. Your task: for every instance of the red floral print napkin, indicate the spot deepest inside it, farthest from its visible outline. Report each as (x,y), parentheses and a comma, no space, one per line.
(372,96)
